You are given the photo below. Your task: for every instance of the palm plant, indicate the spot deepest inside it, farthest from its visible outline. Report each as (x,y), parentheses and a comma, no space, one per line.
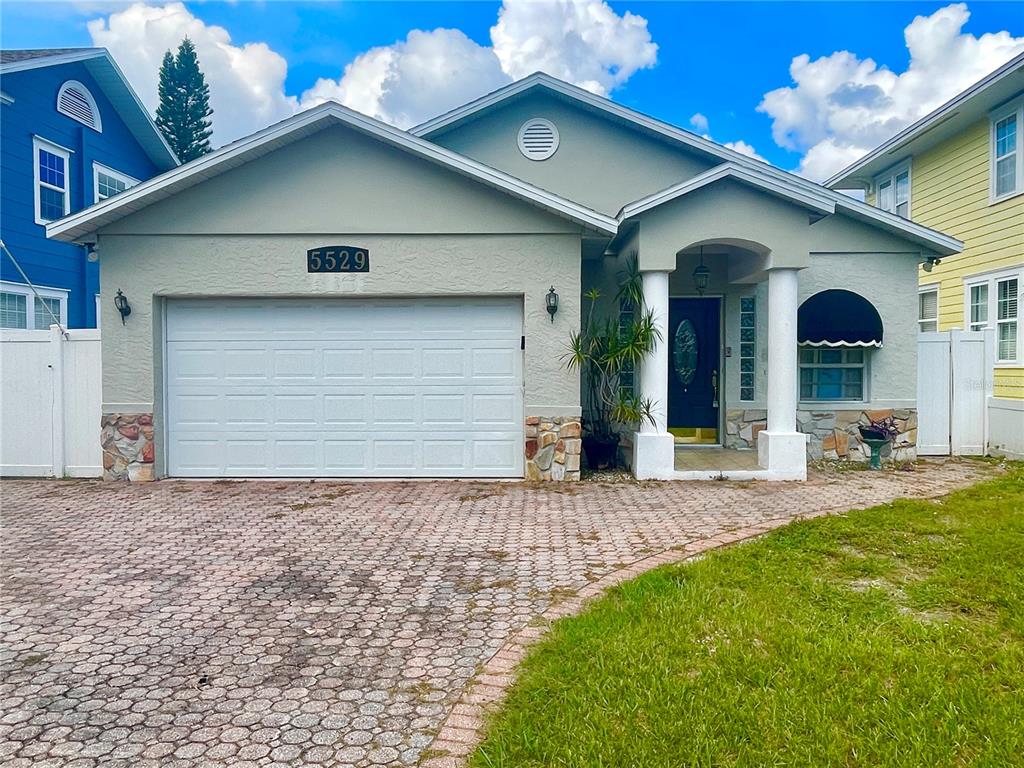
(604,350)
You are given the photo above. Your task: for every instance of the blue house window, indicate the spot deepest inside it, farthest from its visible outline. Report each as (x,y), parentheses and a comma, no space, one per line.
(23,307)
(107,182)
(53,198)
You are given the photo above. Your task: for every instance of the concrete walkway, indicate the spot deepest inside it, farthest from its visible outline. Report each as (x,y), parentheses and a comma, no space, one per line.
(295,623)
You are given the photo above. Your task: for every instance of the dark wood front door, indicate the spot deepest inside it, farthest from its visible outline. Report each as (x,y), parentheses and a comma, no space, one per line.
(694,378)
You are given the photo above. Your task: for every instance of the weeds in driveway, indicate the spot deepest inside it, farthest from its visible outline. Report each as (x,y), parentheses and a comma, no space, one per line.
(892,636)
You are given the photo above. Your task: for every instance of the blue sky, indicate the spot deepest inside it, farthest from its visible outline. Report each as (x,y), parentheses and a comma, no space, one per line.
(716,59)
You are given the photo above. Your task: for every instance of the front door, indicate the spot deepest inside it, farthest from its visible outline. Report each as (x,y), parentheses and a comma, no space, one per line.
(694,378)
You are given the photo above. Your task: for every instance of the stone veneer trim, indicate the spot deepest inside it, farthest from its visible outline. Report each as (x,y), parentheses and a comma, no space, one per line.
(128,447)
(553,447)
(833,432)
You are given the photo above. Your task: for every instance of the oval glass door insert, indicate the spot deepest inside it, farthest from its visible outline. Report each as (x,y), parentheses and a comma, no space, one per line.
(684,353)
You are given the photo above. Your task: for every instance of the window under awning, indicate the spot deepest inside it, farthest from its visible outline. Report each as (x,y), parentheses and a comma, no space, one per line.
(838,318)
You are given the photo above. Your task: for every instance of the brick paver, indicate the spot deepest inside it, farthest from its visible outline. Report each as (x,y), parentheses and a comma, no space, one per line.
(336,624)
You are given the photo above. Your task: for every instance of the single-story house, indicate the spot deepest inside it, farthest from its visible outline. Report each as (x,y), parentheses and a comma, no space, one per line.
(336,297)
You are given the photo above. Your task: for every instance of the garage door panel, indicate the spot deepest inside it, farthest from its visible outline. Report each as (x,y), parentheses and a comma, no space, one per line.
(350,410)
(349,387)
(436,407)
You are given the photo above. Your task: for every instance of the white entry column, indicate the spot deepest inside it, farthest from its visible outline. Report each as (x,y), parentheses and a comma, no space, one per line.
(653,446)
(781,449)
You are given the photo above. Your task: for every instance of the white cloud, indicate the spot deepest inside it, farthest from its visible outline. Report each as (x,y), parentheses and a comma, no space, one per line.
(701,124)
(412,80)
(246,81)
(584,42)
(428,73)
(842,106)
(744,149)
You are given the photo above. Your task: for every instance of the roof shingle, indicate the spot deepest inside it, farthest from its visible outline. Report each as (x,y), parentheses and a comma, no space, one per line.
(10,57)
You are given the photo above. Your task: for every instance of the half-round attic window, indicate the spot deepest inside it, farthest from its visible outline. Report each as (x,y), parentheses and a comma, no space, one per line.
(75,101)
(538,139)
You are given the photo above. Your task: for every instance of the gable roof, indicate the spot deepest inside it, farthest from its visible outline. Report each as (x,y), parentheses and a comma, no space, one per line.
(111,79)
(820,201)
(821,204)
(955,115)
(83,223)
(767,176)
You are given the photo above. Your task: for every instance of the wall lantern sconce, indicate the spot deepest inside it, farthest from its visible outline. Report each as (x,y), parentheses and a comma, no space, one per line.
(930,263)
(121,302)
(701,275)
(552,303)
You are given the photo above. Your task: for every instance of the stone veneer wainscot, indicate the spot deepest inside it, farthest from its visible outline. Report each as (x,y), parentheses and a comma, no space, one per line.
(127,440)
(833,434)
(553,446)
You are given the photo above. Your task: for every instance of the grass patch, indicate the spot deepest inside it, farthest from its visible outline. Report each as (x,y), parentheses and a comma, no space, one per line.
(892,636)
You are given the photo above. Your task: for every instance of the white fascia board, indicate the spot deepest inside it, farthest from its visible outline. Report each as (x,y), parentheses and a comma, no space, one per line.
(817,202)
(84,222)
(926,123)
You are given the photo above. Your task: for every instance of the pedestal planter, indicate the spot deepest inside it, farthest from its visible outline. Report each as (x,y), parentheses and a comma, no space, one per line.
(876,440)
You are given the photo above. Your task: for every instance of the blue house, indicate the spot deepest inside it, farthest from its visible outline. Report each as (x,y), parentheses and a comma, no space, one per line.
(73,133)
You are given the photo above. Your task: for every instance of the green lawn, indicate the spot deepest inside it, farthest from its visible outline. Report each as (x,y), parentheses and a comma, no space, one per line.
(887,637)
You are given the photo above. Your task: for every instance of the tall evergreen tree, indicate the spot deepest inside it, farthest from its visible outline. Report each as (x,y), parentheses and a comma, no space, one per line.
(184,112)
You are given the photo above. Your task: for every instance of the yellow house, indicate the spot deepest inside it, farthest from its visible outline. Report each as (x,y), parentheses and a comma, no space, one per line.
(960,169)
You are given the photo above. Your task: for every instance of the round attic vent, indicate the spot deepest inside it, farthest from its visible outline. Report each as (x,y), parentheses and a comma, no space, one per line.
(538,139)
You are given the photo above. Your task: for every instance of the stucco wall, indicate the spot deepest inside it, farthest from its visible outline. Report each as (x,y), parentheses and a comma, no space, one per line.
(889,282)
(339,180)
(725,211)
(147,267)
(429,231)
(599,163)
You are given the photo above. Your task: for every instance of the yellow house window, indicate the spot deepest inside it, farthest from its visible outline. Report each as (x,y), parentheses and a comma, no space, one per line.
(928,309)
(894,190)
(992,301)
(1007,155)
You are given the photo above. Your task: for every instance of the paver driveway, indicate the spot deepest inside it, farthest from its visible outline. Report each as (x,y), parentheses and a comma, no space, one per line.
(294,623)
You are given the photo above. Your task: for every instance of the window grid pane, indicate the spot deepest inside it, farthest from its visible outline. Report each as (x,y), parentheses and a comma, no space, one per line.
(43,320)
(1006,175)
(1007,299)
(979,306)
(1006,136)
(51,204)
(13,311)
(831,374)
(1008,342)
(885,196)
(51,169)
(108,186)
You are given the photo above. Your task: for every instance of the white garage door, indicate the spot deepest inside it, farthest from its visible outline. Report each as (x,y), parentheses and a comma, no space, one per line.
(345,388)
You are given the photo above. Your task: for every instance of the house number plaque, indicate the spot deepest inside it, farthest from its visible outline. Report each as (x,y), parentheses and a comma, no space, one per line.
(338,258)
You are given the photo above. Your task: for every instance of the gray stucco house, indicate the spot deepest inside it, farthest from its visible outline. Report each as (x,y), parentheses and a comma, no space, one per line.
(333,296)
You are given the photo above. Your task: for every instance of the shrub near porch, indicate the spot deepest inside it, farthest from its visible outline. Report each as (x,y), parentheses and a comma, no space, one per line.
(892,636)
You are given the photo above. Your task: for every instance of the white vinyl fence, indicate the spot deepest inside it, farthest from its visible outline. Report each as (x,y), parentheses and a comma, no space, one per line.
(50,396)
(954,384)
